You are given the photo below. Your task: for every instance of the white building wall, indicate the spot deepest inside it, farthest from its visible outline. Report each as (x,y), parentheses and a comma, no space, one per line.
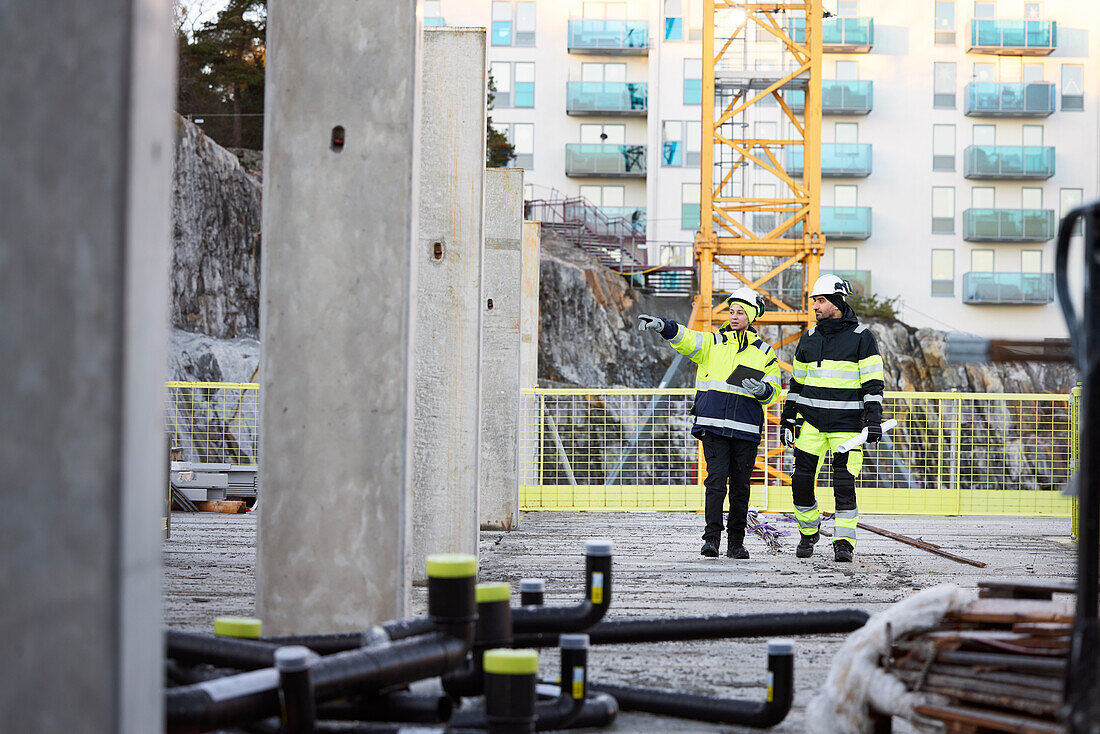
(899,190)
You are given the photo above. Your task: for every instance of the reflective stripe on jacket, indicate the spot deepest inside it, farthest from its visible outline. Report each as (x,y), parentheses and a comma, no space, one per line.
(720,407)
(838,377)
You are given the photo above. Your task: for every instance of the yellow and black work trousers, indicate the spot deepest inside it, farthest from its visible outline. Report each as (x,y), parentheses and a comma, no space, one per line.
(809,451)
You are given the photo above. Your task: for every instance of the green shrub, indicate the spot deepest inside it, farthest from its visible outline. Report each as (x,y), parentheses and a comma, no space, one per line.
(873,305)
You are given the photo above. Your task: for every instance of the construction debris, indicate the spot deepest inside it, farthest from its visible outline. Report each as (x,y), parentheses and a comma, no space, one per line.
(915,542)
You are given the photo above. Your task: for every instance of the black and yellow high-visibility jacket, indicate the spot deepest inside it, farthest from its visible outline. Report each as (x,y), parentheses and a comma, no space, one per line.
(720,407)
(838,379)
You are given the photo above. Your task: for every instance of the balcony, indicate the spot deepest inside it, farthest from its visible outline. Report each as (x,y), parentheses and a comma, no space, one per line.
(860,279)
(1026,162)
(1013,37)
(605,159)
(1008,225)
(1008,288)
(606,98)
(1010,99)
(838,97)
(846,222)
(838,35)
(838,160)
(612,37)
(632,215)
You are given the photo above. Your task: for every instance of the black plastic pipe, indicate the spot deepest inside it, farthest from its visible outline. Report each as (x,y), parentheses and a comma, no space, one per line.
(510,690)
(192,648)
(597,573)
(564,710)
(531,592)
(296,688)
(403,706)
(493,629)
(757,714)
(676,629)
(329,643)
(254,695)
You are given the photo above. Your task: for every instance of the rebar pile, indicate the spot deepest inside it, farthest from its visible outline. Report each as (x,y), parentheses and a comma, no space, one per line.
(1000,662)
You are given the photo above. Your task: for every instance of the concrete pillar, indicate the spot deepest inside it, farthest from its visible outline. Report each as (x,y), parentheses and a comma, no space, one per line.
(448,257)
(338,296)
(85,178)
(529,353)
(500,358)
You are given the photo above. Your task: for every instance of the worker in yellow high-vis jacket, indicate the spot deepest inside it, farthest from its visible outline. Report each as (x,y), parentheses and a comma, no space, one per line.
(835,393)
(737,377)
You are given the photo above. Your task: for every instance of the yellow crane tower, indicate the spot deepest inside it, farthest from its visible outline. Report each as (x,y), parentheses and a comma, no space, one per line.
(758,58)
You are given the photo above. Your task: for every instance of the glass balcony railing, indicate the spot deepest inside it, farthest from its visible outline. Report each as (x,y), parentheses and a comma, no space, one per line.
(609,36)
(838,97)
(838,34)
(604,159)
(1030,37)
(1008,225)
(606,98)
(632,215)
(1010,99)
(1008,288)
(860,279)
(838,160)
(846,222)
(1009,161)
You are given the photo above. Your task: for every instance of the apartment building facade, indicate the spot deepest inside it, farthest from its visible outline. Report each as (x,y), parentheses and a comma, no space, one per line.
(955,136)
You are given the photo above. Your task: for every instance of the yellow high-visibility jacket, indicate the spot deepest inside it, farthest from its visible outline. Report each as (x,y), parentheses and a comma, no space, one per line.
(720,407)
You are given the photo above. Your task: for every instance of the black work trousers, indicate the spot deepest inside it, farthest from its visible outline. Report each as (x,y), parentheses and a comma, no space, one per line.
(729,461)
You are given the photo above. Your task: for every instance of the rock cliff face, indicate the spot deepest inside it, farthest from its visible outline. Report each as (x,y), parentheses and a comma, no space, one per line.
(215,272)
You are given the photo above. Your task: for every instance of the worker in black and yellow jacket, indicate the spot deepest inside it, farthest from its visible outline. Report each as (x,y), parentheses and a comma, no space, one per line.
(835,393)
(737,377)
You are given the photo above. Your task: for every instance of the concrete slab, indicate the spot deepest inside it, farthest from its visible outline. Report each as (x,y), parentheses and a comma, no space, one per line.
(658,572)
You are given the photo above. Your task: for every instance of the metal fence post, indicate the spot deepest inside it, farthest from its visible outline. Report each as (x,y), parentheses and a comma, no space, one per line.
(1074,451)
(956,459)
(542,439)
(939,447)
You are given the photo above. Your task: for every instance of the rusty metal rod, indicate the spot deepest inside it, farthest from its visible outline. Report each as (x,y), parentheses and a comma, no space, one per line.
(923,545)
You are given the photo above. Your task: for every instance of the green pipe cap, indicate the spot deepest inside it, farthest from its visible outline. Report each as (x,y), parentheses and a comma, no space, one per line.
(452,565)
(492,592)
(511,662)
(246,627)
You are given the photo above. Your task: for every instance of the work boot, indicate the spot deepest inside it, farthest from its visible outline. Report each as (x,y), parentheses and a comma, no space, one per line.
(710,549)
(737,551)
(842,551)
(805,547)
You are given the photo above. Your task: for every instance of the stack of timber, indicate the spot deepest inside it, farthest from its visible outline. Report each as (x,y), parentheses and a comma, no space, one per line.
(999,663)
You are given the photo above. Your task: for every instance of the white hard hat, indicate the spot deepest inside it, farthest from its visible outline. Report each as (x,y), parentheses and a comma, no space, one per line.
(828,285)
(749,297)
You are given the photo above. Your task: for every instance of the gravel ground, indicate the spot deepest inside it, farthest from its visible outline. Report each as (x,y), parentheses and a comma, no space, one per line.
(209,571)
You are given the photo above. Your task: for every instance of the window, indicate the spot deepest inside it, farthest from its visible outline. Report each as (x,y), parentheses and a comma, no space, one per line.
(1033,135)
(1031,198)
(603,72)
(845,195)
(1033,73)
(433,13)
(525,84)
(1031,261)
(525,24)
(981,261)
(693,81)
(503,25)
(847,8)
(983,197)
(985,72)
(1033,11)
(1068,200)
(603,11)
(674,20)
(943,147)
(672,143)
(943,210)
(847,70)
(945,22)
(846,132)
(943,85)
(523,138)
(693,142)
(985,134)
(844,258)
(603,195)
(1072,87)
(943,272)
(609,134)
(689,206)
(514,82)
(984,9)
(764,222)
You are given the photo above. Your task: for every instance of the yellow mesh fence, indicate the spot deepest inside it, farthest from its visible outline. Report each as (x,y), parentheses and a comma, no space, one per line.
(951,454)
(214,421)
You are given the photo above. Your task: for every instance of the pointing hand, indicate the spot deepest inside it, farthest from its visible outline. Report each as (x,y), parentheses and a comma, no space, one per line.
(650,322)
